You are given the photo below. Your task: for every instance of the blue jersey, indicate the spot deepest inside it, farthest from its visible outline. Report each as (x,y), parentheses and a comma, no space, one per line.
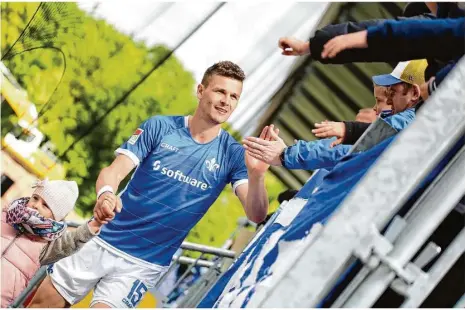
(176,181)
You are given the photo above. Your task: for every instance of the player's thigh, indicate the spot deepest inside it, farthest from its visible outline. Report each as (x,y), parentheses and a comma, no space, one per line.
(126,285)
(47,296)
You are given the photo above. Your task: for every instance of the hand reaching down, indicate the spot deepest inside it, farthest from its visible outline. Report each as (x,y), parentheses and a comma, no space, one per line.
(344,42)
(293,47)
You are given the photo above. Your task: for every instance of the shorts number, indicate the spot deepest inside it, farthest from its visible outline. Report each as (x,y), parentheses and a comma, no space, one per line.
(137,291)
(50,269)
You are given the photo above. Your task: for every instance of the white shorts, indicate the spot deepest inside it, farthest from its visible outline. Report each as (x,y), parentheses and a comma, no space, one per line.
(116,281)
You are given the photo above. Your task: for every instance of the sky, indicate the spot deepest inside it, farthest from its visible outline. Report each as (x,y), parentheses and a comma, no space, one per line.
(246,33)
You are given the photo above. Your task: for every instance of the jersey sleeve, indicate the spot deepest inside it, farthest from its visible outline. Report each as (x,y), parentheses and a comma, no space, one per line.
(142,141)
(238,174)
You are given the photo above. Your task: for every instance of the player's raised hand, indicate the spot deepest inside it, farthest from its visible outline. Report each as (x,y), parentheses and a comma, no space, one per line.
(266,148)
(344,42)
(293,47)
(253,164)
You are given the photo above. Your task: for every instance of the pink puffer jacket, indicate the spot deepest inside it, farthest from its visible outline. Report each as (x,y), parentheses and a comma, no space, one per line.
(20,261)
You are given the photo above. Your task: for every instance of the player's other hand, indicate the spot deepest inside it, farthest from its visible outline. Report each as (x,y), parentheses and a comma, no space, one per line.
(106,206)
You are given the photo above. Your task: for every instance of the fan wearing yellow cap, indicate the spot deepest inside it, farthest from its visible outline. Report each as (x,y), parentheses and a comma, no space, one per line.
(403,93)
(404,84)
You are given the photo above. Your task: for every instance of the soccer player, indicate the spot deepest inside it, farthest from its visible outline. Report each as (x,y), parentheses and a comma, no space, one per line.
(183,163)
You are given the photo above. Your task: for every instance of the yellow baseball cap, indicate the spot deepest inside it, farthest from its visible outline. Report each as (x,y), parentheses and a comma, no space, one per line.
(411,72)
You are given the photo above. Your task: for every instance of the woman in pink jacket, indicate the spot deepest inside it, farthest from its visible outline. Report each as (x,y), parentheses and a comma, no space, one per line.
(34,234)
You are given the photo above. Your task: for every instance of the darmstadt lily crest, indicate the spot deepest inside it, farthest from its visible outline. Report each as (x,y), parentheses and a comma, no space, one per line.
(212,165)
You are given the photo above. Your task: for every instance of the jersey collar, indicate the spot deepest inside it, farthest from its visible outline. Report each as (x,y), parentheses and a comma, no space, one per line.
(186,124)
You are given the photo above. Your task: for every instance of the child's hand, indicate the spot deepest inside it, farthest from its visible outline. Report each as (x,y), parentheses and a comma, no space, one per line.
(94,226)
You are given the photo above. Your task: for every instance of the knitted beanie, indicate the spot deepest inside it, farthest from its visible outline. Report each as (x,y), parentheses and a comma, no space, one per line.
(60,196)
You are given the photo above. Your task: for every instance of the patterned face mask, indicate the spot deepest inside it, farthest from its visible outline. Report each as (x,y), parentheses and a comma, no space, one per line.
(29,221)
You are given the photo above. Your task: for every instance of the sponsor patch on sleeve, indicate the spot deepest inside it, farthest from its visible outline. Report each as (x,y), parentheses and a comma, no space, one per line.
(135,136)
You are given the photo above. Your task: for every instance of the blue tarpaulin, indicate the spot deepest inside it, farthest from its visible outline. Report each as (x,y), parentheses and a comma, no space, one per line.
(314,203)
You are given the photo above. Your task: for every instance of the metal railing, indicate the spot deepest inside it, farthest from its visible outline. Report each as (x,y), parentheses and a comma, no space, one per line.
(36,279)
(207,249)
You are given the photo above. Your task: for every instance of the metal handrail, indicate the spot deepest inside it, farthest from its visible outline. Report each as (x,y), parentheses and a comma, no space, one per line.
(207,249)
(197,262)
